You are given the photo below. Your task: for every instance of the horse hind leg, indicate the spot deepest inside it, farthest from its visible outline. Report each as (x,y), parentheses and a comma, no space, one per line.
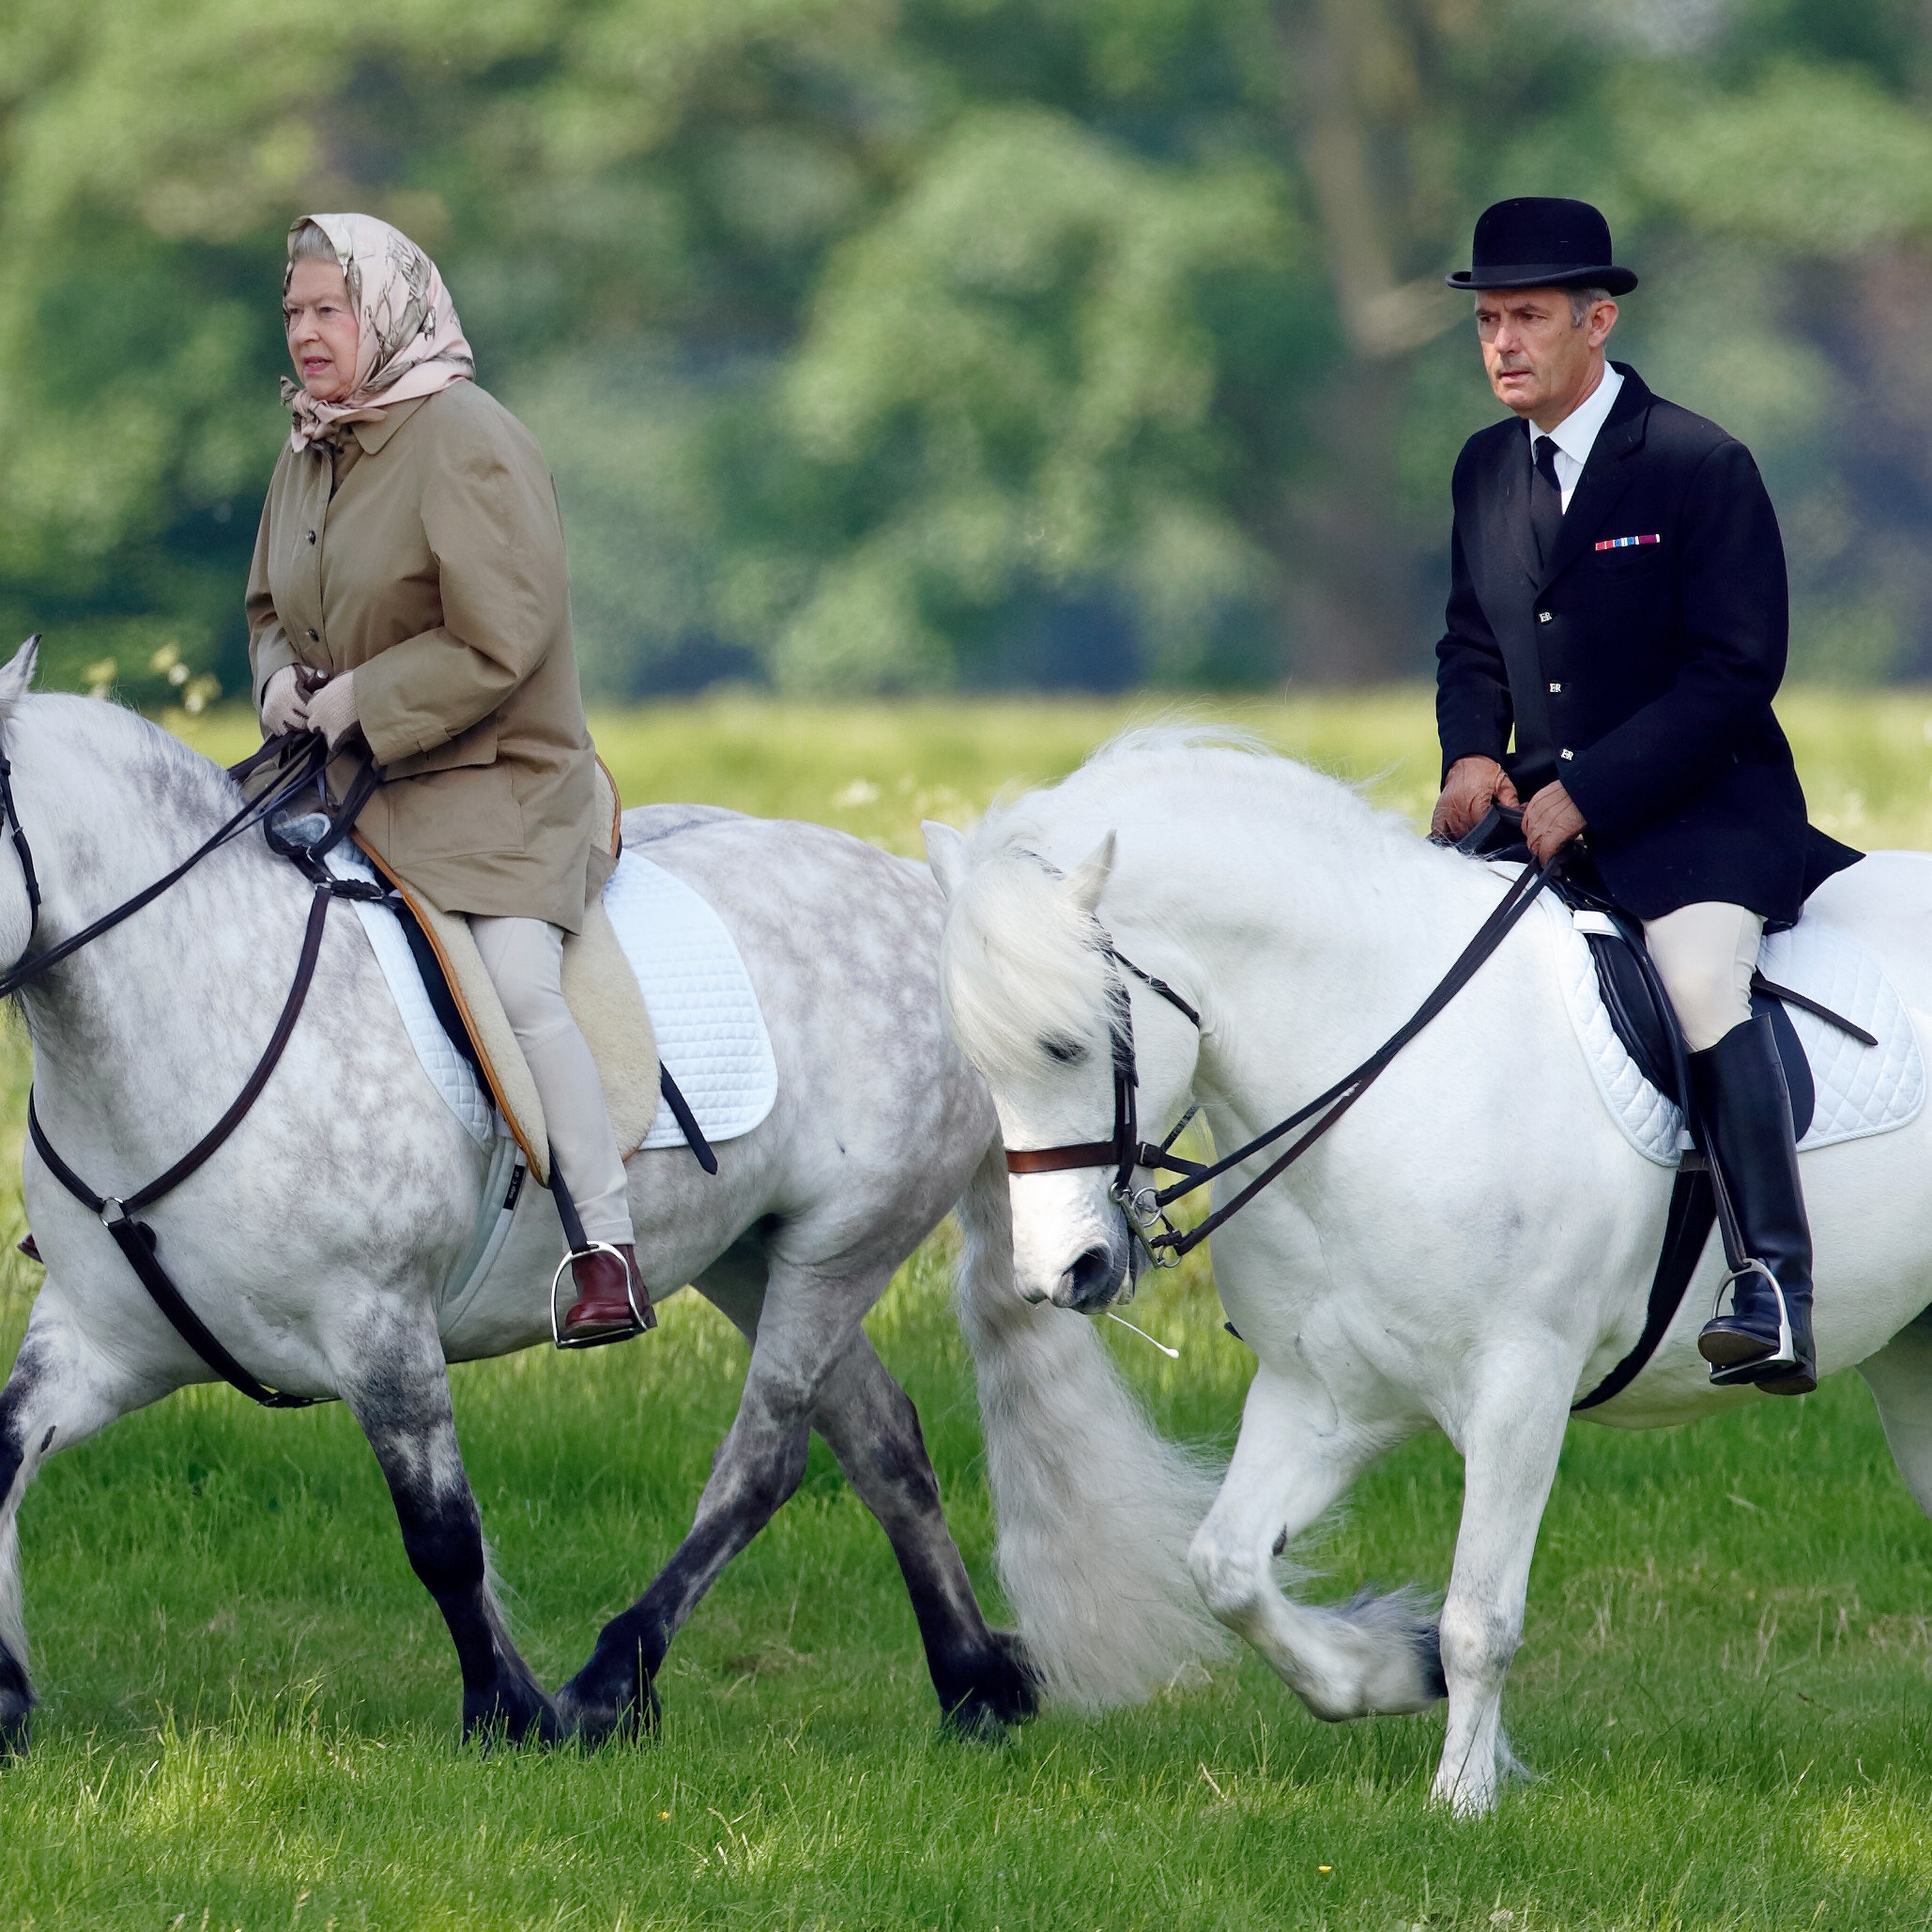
(400,1395)
(795,1339)
(60,1391)
(1374,1654)
(868,1421)
(1900,1379)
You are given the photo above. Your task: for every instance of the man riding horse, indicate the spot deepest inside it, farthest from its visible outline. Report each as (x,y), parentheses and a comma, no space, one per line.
(1616,631)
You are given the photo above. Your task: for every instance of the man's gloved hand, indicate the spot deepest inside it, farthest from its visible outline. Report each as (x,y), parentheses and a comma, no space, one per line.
(284,703)
(333,710)
(1550,821)
(1472,784)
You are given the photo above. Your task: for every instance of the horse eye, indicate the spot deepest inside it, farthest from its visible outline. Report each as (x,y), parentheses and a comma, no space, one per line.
(1068,1053)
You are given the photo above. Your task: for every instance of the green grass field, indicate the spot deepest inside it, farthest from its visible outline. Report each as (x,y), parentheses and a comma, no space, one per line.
(250,1705)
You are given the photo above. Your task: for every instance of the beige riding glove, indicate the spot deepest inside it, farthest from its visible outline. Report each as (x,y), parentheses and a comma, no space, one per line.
(284,709)
(333,709)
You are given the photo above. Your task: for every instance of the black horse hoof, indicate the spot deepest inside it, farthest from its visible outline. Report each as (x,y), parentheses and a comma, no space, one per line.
(518,1716)
(1002,1690)
(594,1716)
(16,1706)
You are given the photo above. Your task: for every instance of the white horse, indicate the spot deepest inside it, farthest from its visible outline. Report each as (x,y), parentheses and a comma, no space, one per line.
(1470,1248)
(317,1243)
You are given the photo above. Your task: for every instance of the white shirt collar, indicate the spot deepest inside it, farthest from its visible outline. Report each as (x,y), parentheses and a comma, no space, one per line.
(1576,435)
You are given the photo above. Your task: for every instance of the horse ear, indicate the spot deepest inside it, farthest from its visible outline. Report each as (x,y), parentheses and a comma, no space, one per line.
(945,852)
(16,674)
(1088,880)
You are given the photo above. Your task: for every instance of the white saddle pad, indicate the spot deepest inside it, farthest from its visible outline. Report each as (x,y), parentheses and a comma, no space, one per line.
(711,1032)
(1860,1090)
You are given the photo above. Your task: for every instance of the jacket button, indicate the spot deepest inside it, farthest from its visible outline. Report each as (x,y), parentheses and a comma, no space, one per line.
(312,536)
(315,637)
(1542,616)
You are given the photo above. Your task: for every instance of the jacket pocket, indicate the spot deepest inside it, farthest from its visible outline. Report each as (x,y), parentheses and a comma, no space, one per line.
(475,746)
(1636,557)
(458,814)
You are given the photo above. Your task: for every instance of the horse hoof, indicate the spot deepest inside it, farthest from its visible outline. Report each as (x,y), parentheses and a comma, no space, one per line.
(16,1706)
(974,1721)
(592,1719)
(1004,1691)
(514,1717)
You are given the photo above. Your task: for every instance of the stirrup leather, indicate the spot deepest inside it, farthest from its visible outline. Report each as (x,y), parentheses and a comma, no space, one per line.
(557,1337)
(1783,1356)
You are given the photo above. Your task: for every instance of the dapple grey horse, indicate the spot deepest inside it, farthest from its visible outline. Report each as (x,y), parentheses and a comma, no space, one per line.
(316,1243)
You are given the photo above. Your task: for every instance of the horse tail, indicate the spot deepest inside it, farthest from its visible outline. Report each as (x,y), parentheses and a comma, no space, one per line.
(1095,1508)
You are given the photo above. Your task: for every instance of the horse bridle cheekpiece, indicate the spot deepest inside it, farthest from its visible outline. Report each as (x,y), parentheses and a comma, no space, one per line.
(1145,1209)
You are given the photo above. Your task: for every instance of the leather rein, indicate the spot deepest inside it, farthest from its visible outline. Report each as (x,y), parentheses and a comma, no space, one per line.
(135,1238)
(1146,1209)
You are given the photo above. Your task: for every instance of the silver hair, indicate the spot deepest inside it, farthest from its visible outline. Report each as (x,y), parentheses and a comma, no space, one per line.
(1582,300)
(309,242)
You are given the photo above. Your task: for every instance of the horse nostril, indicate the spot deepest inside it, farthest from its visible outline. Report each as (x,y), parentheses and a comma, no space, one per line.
(1092,1277)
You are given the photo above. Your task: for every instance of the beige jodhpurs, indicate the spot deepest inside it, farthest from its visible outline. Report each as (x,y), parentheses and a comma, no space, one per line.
(523,958)
(1705,956)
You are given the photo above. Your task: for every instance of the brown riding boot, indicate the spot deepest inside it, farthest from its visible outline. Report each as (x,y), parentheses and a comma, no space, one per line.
(612,1304)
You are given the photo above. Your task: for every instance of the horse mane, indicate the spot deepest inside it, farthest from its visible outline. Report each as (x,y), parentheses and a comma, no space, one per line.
(175,780)
(1022,963)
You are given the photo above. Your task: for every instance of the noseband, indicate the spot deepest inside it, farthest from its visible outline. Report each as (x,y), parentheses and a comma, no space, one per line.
(1145,1209)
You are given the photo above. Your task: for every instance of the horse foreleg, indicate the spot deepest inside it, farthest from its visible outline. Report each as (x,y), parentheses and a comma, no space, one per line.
(1374,1654)
(758,1466)
(870,1425)
(1510,1443)
(59,1392)
(401,1397)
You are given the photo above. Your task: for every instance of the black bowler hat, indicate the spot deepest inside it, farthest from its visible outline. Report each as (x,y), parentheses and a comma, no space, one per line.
(1539,241)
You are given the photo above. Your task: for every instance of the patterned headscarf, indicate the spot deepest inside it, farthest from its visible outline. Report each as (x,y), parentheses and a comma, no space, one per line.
(413,342)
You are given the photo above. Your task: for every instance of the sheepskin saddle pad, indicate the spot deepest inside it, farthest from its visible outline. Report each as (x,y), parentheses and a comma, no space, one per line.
(653,950)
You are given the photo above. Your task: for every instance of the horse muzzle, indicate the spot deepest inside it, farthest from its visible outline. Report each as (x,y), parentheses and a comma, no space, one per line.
(1100,1274)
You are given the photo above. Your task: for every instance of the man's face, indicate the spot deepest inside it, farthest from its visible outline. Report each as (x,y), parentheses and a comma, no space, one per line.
(1539,362)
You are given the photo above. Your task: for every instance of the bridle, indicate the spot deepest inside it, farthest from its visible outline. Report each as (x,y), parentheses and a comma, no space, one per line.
(1145,1209)
(306,765)
(1123,1150)
(299,763)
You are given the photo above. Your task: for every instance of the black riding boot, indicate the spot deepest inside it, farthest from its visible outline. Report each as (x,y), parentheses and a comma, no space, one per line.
(1746,1114)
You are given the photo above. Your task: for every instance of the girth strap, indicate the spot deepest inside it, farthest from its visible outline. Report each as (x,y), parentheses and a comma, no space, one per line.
(1693,1211)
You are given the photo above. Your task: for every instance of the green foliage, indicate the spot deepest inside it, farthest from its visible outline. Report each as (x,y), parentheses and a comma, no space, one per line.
(888,347)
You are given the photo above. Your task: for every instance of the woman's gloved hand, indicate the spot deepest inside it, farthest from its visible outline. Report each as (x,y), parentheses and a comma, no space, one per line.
(333,709)
(284,703)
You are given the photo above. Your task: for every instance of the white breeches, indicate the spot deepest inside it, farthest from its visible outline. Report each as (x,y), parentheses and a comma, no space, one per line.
(1705,956)
(523,958)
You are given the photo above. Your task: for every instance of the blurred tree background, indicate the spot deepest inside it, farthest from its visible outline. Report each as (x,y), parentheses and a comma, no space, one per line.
(893,344)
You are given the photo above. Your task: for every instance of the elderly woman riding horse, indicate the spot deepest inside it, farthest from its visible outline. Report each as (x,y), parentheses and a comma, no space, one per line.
(409,588)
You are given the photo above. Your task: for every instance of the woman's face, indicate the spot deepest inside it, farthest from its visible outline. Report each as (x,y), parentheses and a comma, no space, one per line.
(323,333)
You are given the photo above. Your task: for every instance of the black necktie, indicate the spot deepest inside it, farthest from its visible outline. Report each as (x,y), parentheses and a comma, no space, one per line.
(1545,497)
